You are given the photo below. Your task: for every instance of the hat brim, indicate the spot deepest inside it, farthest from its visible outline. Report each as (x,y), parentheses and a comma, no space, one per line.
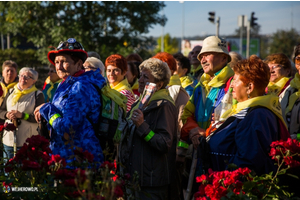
(76,52)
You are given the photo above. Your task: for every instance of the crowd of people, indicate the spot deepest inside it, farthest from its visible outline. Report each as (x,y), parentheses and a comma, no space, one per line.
(181,118)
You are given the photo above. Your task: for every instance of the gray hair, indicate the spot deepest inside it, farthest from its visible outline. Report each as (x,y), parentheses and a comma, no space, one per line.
(95,62)
(33,73)
(159,69)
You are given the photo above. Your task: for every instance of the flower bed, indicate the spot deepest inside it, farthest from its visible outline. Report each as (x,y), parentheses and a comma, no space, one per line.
(243,184)
(35,173)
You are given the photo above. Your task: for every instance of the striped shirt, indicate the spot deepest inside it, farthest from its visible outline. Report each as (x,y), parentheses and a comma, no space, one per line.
(130,98)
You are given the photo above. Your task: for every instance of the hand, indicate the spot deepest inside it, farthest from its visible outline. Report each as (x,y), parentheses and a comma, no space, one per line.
(10,115)
(16,114)
(212,118)
(137,117)
(194,135)
(37,114)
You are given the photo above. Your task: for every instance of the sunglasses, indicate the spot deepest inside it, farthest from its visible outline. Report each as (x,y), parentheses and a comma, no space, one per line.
(70,44)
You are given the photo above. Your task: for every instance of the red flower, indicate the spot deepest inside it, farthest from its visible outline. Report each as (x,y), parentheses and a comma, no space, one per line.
(118,191)
(88,156)
(64,173)
(57,159)
(37,141)
(107,164)
(9,166)
(203,177)
(84,155)
(291,162)
(30,165)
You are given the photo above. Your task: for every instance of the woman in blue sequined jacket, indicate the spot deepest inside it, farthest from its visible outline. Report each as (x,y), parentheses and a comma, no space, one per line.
(75,103)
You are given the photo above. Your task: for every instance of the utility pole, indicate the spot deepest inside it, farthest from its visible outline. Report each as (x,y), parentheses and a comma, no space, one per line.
(241,25)
(218,26)
(248,39)
(212,20)
(162,36)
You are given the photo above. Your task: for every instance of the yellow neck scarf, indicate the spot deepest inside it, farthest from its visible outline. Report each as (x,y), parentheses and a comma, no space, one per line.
(275,88)
(135,85)
(174,80)
(270,101)
(194,70)
(123,85)
(295,83)
(119,98)
(160,94)
(18,93)
(186,81)
(217,80)
(6,88)
(51,87)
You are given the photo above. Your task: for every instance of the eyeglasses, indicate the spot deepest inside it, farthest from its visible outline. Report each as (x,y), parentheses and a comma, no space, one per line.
(25,77)
(275,66)
(70,44)
(89,67)
(52,71)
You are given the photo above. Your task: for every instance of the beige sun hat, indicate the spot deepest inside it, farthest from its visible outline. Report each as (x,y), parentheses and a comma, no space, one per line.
(214,44)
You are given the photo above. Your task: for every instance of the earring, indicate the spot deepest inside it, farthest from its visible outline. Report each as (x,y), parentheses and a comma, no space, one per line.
(248,96)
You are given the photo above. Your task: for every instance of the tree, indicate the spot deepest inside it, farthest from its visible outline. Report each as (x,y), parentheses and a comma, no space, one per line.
(106,27)
(170,44)
(284,42)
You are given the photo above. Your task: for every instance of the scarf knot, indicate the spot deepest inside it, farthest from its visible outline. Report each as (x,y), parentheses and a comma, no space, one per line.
(17,94)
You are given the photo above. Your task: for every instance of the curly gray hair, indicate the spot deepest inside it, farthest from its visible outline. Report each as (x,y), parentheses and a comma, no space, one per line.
(159,70)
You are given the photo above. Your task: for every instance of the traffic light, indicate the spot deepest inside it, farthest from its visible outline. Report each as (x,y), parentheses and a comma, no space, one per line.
(211,17)
(252,22)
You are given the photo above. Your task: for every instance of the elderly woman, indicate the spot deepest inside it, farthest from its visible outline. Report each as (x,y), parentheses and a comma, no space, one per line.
(149,147)
(50,87)
(245,137)
(75,105)
(19,105)
(281,70)
(290,102)
(9,77)
(116,68)
(93,63)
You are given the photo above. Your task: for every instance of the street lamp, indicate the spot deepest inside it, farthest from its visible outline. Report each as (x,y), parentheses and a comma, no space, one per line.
(182,34)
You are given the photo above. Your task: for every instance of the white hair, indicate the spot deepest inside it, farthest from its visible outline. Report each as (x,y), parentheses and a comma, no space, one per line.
(33,73)
(95,62)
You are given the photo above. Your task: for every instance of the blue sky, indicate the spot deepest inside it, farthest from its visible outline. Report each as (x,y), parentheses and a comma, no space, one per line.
(272,16)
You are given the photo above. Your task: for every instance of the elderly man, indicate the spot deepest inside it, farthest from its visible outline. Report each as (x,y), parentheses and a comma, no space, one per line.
(212,86)
(207,95)
(75,104)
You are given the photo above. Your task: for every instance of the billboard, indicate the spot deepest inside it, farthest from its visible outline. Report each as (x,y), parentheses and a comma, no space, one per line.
(254,47)
(188,45)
